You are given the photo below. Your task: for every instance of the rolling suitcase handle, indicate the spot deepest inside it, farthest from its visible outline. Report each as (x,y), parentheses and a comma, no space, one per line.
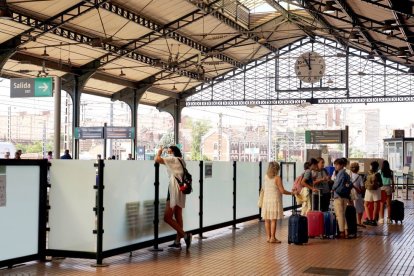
(319,201)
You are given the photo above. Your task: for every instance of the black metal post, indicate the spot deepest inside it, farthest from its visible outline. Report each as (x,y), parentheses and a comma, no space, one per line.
(43,205)
(406,182)
(260,188)
(104,141)
(156,207)
(234,195)
(99,214)
(201,201)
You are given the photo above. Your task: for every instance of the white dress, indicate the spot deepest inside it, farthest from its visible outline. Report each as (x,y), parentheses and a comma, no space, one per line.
(174,169)
(272,207)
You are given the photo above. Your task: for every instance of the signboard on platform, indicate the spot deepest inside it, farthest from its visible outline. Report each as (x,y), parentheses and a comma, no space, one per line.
(31,87)
(119,132)
(325,136)
(89,133)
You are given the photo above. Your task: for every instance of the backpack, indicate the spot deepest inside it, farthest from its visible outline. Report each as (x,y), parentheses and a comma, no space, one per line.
(186,181)
(296,185)
(344,189)
(371,184)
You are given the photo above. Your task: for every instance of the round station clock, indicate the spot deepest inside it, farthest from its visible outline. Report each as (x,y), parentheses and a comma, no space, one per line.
(310,67)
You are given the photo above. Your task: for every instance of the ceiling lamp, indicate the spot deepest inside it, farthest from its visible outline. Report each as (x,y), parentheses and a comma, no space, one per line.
(390,36)
(340,55)
(353,36)
(362,73)
(174,88)
(45,54)
(122,74)
(329,8)
(388,26)
(330,81)
(402,53)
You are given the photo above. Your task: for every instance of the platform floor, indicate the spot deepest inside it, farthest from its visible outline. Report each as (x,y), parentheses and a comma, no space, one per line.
(381,250)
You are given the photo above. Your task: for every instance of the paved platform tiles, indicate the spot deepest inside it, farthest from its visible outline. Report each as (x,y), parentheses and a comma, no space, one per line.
(381,250)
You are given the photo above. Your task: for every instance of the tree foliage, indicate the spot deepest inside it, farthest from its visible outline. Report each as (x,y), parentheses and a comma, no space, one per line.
(198,129)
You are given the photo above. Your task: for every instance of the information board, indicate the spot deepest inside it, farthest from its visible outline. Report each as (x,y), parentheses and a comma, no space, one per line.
(89,133)
(31,87)
(325,136)
(119,132)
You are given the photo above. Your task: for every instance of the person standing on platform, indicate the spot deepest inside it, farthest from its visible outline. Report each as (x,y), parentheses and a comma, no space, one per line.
(307,186)
(66,155)
(173,214)
(7,155)
(17,154)
(321,182)
(49,155)
(372,193)
(340,202)
(357,192)
(387,189)
(272,206)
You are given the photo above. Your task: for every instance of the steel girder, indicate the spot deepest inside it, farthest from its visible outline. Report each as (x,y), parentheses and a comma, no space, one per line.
(251,65)
(346,9)
(404,12)
(384,99)
(407,34)
(80,38)
(214,12)
(288,16)
(322,21)
(395,95)
(159,31)
(374,24)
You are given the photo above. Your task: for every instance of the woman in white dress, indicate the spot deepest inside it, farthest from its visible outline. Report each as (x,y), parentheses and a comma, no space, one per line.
(173,214)
(272,206)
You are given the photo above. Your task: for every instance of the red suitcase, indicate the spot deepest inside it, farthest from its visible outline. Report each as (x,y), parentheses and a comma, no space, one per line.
(315,221)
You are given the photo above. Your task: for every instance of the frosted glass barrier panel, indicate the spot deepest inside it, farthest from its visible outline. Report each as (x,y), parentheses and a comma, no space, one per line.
(190,212)
(164,228)
(192,204)
(72,199)
(218,193)
(128,202)
(247,189)
(19,211)
(288,180)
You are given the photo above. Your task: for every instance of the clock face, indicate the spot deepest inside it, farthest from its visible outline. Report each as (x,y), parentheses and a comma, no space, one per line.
(310,67)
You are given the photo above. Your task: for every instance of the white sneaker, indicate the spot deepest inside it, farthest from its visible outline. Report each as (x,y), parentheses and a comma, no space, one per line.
(389,221)
(381,221)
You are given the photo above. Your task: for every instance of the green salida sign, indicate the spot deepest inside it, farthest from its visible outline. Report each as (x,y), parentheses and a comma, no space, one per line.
(31,87)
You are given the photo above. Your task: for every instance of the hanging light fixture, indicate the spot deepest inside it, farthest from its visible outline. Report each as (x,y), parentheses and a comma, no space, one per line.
(45,54)
(174,88)
(329,8)
(330,81)
(122,74)
(353,36)
(388,26)
(402,53)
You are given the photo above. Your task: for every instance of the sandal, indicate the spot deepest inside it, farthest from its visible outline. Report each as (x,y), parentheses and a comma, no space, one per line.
(274,241)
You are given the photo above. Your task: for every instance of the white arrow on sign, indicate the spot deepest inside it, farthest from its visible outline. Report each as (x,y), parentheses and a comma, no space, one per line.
(44,87)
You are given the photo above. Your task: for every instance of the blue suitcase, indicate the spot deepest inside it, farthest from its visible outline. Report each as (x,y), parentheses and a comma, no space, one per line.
(329,222)
(297,228)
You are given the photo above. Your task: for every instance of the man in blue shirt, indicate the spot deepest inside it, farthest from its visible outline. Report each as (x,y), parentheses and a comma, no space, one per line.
(340,202)
(66,155)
